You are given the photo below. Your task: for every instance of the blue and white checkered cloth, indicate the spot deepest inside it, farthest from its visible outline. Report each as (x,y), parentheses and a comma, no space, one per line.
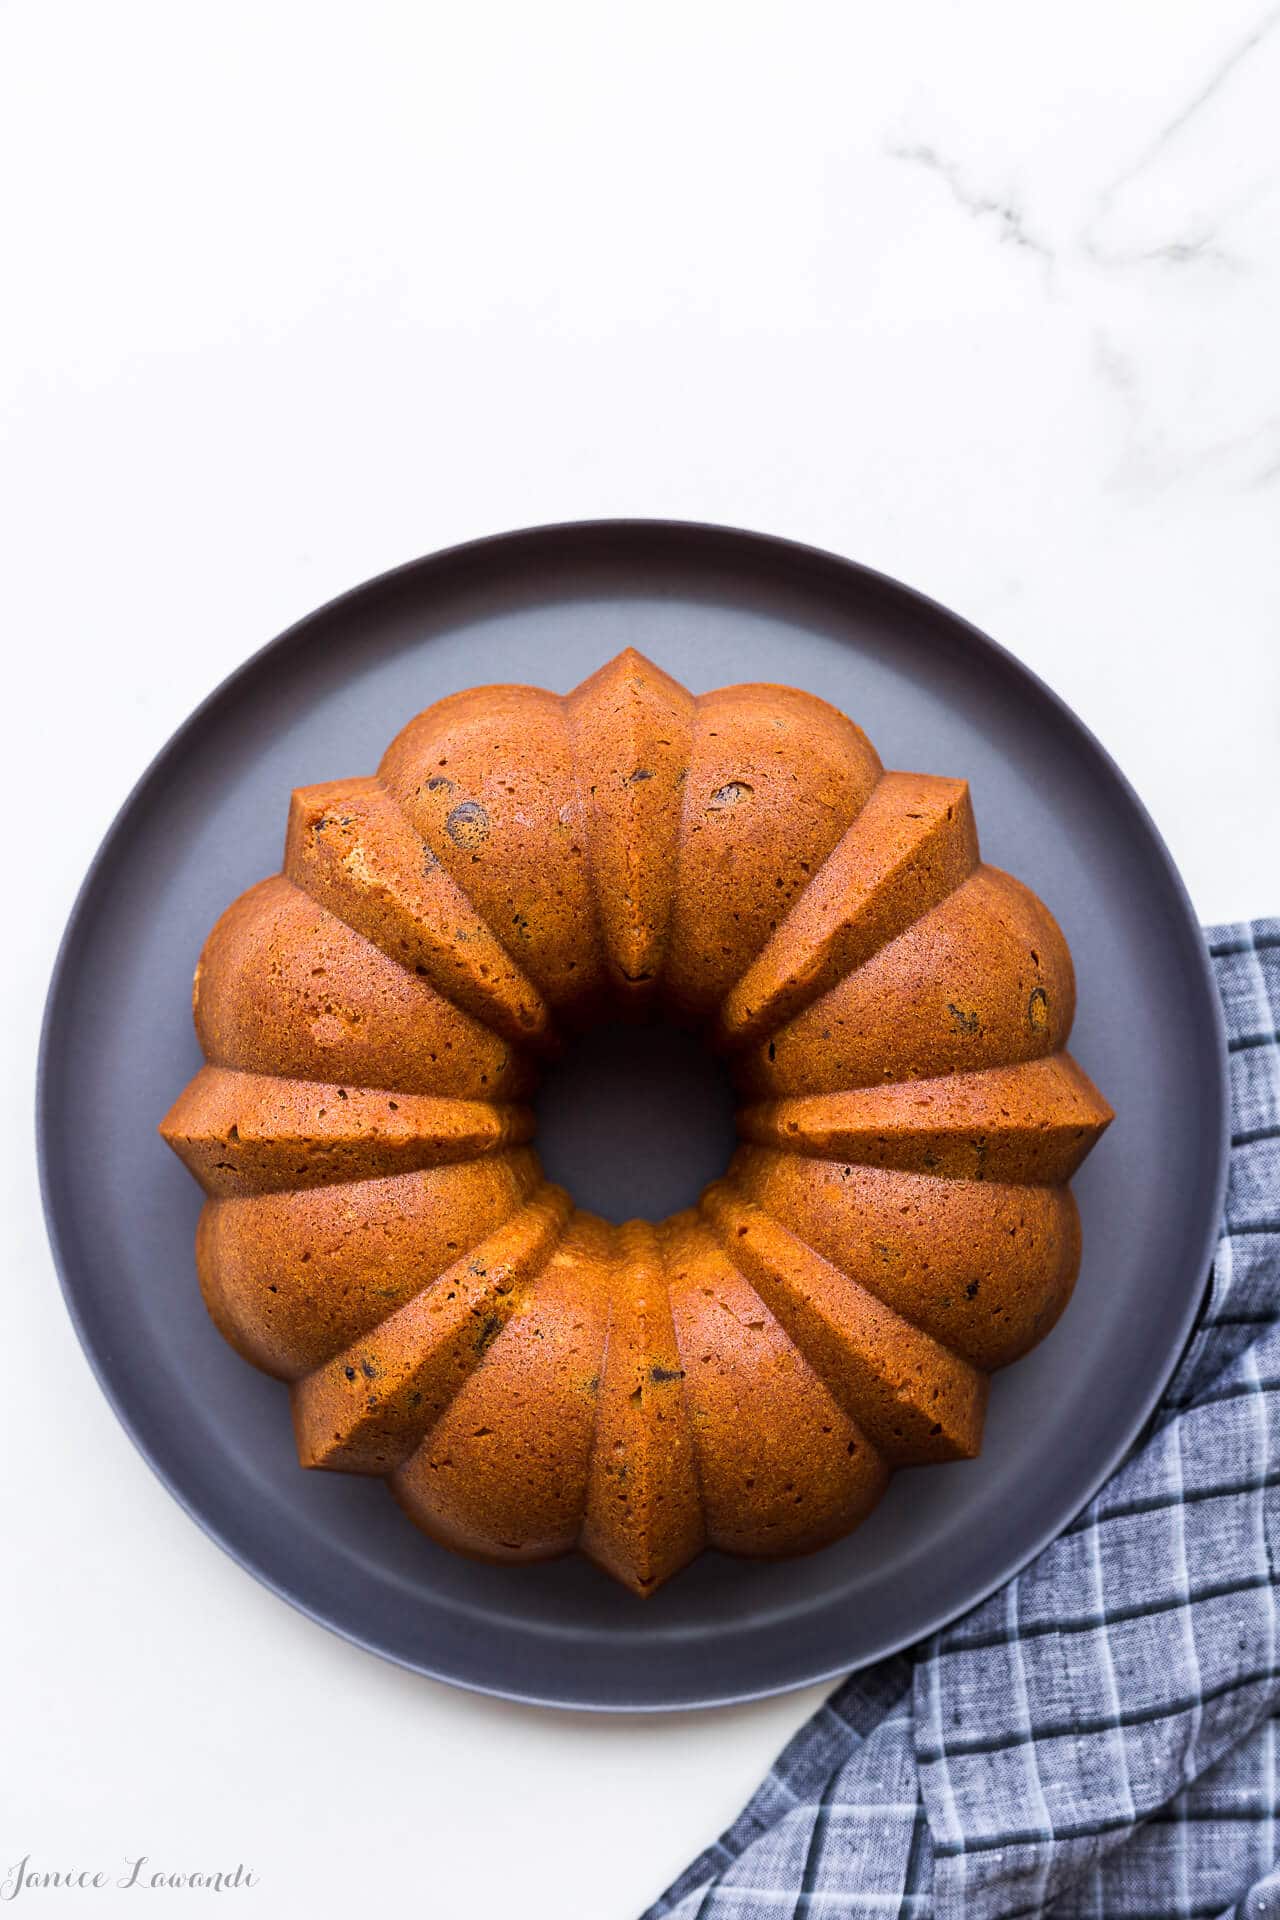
(1100,1738)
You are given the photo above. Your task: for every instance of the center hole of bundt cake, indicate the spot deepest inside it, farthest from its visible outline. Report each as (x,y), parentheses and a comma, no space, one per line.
(635,1120)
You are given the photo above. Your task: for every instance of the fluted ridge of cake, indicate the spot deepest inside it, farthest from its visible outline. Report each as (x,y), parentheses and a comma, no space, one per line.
(255,1132)
(369,1407)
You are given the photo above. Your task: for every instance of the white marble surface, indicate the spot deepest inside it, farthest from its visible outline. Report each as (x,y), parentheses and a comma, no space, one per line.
(984,295)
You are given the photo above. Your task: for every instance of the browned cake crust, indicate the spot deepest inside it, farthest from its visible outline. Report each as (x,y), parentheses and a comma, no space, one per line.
(895,1225)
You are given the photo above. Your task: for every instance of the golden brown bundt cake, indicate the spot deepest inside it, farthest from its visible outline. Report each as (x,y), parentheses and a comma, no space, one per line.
(895,1224)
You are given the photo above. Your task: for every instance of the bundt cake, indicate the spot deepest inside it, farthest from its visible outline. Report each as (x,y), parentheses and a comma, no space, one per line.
(895,1224)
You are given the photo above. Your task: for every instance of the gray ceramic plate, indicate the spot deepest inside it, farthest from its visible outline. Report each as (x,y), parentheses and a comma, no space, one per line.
(548,606)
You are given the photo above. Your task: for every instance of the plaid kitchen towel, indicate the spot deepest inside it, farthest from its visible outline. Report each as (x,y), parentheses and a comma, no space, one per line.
(1100,1738)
